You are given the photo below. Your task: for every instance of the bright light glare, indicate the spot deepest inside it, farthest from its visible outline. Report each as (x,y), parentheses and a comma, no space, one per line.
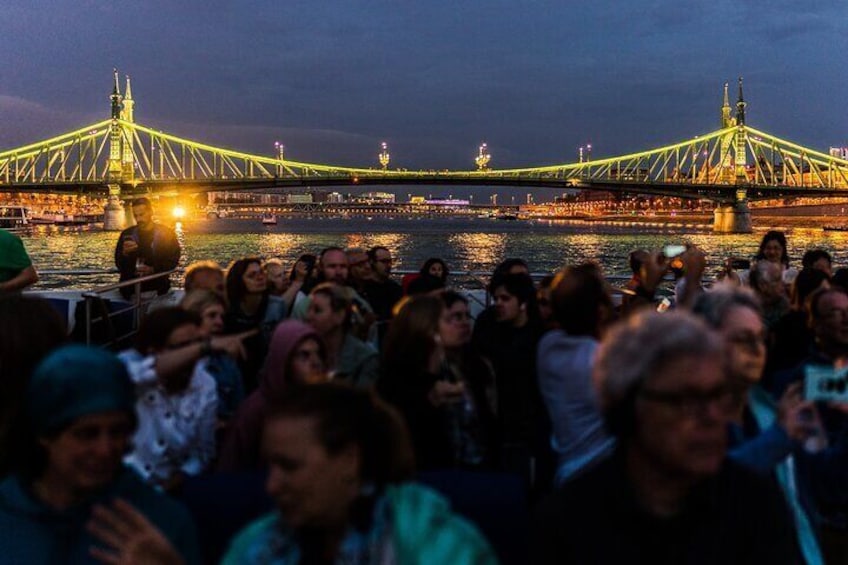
(178,212)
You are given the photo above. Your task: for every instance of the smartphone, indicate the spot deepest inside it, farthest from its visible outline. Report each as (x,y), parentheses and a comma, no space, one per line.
(824,383)
(673,250)
(740,264)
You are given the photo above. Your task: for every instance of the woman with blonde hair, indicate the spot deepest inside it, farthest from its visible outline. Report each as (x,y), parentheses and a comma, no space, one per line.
(211,308)
(331,313)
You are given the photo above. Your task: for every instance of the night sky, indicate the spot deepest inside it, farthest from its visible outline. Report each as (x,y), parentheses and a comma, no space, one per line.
(331,79)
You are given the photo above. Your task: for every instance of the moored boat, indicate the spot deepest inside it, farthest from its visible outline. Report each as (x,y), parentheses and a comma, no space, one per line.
(12,217)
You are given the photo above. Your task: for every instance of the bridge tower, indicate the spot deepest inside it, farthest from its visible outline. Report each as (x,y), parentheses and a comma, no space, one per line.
(127,159)
(727,121)
(735,217)
(115,147)
(114,216)
(741,138)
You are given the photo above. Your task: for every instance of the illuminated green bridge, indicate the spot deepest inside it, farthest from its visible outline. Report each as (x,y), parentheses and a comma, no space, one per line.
(729,166)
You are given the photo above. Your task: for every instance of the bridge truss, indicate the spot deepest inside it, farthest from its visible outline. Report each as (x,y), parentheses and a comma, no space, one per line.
(717,166)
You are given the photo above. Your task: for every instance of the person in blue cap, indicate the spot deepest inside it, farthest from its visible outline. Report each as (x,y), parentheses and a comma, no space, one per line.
(80,406)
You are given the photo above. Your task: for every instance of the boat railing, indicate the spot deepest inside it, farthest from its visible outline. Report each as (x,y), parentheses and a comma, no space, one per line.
(479,280)
(98,309)
(102,316)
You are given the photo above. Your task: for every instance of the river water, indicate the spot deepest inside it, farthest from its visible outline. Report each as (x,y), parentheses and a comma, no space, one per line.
(466,244)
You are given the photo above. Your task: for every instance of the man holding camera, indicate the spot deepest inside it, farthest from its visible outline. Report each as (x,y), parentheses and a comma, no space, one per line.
(145,249)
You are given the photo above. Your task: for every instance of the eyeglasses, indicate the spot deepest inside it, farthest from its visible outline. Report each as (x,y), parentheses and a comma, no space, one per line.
(835,313)
(691,403)
(751,341)
(458,317)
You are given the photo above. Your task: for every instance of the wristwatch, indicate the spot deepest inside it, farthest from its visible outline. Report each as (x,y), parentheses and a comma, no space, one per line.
(206,348)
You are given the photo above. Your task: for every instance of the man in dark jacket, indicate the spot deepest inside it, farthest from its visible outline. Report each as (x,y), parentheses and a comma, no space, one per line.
(145,249)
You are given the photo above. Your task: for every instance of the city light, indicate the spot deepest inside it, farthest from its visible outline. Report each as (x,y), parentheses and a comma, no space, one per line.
(178,212)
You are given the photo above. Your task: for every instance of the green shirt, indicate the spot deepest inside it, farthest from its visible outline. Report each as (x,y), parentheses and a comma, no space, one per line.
(13,256)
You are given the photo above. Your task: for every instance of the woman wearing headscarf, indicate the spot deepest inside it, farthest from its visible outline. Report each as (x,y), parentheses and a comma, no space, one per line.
(297,356)
(80,406)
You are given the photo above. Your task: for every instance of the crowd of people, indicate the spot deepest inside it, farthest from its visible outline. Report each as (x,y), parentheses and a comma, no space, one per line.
(637,432)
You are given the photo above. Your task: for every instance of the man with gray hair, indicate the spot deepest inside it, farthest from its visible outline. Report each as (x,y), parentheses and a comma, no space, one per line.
(667,494)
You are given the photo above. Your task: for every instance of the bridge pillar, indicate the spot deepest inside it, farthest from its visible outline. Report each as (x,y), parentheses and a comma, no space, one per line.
(733,218)
(114,215)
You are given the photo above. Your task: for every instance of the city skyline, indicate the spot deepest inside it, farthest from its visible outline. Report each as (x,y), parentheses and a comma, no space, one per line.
(332,82)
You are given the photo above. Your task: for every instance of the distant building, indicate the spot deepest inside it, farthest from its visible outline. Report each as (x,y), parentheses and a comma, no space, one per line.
(447,202)
(299,199)
(335,198)
(416,200)
(839,152)
(376,198)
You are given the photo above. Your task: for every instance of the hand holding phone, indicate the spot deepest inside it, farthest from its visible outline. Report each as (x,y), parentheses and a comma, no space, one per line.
(129,246)
(825,383)
(670,251)
(737,264)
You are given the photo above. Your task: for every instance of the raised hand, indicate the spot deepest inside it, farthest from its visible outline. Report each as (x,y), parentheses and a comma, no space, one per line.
(129,537)
(233,345)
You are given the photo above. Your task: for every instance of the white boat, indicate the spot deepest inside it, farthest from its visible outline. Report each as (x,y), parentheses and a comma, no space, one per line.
(45,219)
(13,217)
(270,220)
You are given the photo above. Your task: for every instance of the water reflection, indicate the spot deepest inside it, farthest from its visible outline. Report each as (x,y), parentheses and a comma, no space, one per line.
(463,244)
(287,247)
(477,251)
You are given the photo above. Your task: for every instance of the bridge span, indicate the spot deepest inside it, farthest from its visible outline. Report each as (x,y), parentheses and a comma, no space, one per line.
(118,156)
